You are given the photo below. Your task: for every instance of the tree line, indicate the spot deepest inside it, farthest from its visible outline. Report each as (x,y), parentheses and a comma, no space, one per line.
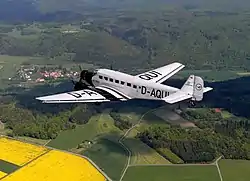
(194,145)
(23,122)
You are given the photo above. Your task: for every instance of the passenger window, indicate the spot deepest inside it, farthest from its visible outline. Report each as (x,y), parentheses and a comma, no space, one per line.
(168,93)
(128,84)
(134,86)
(106,78)
(122,82)
(117,81)
(100,77)
(111,80)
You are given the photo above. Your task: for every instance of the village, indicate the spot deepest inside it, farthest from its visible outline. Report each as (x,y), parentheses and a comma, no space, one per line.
(42,74)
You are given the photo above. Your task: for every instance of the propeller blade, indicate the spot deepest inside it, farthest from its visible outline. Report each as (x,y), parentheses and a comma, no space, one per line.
(80,67)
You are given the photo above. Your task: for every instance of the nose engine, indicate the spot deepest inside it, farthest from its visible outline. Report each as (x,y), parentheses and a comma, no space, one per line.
(85,80)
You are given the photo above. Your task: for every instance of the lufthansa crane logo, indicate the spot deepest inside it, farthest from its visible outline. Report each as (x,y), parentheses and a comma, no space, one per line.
(198,87)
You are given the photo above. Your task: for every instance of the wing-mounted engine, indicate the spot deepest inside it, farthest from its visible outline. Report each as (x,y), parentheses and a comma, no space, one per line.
(85,80)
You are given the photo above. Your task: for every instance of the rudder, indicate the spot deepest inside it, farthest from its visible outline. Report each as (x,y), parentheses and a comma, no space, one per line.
(194,86)
(198,88)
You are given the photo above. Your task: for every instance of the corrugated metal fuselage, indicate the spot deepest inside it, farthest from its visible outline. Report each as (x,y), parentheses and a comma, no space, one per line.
(131,86)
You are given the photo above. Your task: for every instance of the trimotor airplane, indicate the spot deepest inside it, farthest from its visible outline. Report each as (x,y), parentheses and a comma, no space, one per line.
(104,85)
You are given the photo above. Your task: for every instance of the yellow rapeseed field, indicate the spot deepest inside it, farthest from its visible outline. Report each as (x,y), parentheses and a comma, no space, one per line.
(2,174)
(57,165)
(19,153)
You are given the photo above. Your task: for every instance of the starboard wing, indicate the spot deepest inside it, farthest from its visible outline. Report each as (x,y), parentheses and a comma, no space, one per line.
(80,96)
(161,74)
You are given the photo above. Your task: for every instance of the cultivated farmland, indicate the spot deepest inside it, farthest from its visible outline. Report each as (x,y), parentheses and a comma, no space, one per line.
(173,173)
(57,165)
(232,170)
(2,174)
(43,164)
(19,153)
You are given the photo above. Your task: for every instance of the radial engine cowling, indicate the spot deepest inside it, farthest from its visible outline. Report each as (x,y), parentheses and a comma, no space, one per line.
(85,80)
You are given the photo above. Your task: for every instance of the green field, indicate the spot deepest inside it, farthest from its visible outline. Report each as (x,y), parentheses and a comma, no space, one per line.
(172,173)
(71,138)
(10,64)
(132,114)
(109,156)
(142,153)
(98,126)
(7,167)
(233,170)
(226,114)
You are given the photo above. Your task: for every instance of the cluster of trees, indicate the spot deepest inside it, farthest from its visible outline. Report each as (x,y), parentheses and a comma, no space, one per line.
(120,122)
(194,145)
(82,114)
(203,118)
(214,136)
(234,127)
(23,122)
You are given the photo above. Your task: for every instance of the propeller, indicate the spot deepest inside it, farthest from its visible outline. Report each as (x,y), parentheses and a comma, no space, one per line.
(80,68)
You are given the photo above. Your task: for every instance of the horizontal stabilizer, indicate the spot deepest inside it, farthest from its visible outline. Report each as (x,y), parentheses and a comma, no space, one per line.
(177,97)
(207,89)
(193,88)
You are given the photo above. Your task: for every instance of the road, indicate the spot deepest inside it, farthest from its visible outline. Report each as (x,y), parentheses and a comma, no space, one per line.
(125,147)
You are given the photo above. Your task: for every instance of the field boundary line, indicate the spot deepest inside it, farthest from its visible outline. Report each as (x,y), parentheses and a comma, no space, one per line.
(125,147)
(172,165)
(47,142)
(218,167)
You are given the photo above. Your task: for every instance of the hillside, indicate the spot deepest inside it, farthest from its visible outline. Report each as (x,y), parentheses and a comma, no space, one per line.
(199,39)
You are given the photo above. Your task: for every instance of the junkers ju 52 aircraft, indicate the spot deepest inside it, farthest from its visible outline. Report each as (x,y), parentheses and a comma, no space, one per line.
(105,85)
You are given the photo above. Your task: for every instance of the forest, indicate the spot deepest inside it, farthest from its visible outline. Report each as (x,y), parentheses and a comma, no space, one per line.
(215,136)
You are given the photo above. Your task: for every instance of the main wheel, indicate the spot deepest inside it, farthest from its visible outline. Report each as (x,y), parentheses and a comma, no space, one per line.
(191,103)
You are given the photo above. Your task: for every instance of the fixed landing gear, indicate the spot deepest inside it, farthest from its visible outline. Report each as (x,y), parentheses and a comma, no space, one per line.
(98,103)
(191,103)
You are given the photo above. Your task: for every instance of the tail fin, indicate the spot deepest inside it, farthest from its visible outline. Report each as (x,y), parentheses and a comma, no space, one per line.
(194,87)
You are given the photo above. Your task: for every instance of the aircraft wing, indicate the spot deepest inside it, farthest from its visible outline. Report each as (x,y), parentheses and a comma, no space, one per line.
(101,94)
(161,74)
(84,95)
